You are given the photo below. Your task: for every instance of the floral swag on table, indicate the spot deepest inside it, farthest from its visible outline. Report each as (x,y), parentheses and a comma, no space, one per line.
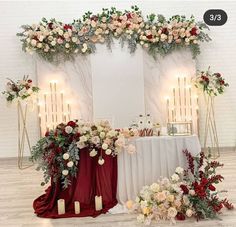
(57,153)
(55,41)
(187,193)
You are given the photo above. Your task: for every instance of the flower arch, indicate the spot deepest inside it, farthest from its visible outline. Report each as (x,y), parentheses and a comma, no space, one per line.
(55,41)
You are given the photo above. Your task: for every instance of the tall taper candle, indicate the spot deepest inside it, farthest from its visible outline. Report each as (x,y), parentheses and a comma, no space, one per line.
(98,203)
(190,102)
(62,107)
(180,103)
(168,109)
(45,109)
(55,99)
(77,207)
(174,104)
(69,111)
(61,206)
(185,100)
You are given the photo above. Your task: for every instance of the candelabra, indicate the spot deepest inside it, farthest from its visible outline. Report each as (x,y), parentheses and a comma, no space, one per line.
(53,107)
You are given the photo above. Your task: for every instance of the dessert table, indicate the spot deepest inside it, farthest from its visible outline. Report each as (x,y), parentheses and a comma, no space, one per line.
(154,157)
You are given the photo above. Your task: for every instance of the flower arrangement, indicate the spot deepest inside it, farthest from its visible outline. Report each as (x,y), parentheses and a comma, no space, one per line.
(211,83)
(187,193)
(57,153)
(53,40)
(21,89)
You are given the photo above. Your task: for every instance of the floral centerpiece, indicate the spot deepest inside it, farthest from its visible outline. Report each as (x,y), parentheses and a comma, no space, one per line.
(212,84)
(53,40)
(57,153)
(187,193)
(21,89)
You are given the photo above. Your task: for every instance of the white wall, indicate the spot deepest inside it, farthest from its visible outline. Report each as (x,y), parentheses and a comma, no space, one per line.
(220,54)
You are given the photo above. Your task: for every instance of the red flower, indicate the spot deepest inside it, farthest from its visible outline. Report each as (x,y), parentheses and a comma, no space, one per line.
(149,36)
(71,123)
(50,25)
(193,31)
(164,31)
(218,75)
(67,27)
(58,149)
(129,16)
(29,81)
(184,188)
(222,82)
(180,216)
(211,187)
(204,181)
(94,17)
(47,133)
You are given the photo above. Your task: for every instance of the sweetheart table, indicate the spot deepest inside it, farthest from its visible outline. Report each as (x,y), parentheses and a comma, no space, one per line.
(154,157)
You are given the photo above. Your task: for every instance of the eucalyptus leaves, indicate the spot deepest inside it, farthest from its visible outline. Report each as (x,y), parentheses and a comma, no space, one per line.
(55,41)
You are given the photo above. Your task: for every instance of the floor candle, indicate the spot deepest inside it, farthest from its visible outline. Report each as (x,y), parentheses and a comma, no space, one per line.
(61,206)
(77,207)
(98,203)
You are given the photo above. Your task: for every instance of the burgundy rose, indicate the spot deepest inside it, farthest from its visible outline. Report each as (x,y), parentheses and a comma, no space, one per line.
(58,150)
(71,123)
(149,36)
(94,17)
(184,189)
(193,31)
(47,133)
(211,187)
(129,16)
(164,31)
(218,75)
(204,181)
(67,27)
(29,81)
(180,216)
(50,25)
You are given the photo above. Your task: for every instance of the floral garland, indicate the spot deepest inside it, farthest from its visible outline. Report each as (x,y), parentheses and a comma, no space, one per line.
(55,41)
(21,89)
(195,195)
(211,83)
(57,153)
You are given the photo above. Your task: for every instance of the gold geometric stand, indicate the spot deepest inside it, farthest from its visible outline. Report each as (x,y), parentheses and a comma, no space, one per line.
(23,137)
(210,129)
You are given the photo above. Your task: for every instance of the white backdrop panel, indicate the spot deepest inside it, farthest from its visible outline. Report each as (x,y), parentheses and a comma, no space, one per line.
(118,86)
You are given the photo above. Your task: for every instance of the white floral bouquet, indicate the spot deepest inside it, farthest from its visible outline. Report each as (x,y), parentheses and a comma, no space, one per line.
(21,89)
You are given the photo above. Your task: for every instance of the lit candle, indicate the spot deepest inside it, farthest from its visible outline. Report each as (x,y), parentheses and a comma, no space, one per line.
(167,108)
(55,96)
(61,206)
(98,203)
(51,95)
(190,102)
(77,207)
(180,105)
(185,99)
(62,106)
(174,109)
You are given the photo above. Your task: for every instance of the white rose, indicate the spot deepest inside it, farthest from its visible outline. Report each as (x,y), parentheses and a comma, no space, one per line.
(33,42)
(179,170)
(67,45)
(66,35)
(93,153)
(172,212)
(39,45)
(140,218)
(104,146)
(65,172)
(102,135)
(108,151)
(191,192)
(101,161)
(83,139)
(66,156)
(41,38)
(68,129)
(174,177)
(60,32)
(74,39)
(53,43)
(155,187)
(80,145)
(95,140)
(70,164)
(189,213)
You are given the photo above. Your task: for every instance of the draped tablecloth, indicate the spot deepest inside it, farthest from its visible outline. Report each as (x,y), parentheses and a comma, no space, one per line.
(154,157)
(92,179)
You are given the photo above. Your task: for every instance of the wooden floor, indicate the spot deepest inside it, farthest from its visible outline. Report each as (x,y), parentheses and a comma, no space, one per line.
(19,188)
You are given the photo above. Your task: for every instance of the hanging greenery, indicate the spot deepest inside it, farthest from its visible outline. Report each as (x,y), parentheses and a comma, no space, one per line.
(55,41)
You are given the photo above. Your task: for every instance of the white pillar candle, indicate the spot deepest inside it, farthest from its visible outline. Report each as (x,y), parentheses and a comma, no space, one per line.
(98,203)
(77,207)
(61,206)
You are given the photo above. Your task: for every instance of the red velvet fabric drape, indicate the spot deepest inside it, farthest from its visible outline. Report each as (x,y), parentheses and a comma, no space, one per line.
(92,179)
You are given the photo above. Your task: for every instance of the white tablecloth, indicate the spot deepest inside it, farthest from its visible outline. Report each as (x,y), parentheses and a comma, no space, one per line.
(154,157)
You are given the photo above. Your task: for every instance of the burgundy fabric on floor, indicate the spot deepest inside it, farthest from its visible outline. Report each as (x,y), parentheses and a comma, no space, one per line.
(92,179)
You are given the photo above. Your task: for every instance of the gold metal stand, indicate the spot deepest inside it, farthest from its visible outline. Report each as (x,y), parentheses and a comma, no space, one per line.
(210,129)
(23,136)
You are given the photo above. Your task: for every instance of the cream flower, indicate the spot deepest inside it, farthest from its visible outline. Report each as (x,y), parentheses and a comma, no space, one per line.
(66,156)
(102,135)
(172,212)
(80,145)
(104,146)
(140,218)
(179,170)
(189,213)
(191,192)
(108,151)
(131,149)
(129,204)
(175,177)
(83,139)
(160,196)
(65,172)
(101,161)
(170,198)
(33,42)
(70,164)
(95,140)
(93,153)
(68,129)
(155,187)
